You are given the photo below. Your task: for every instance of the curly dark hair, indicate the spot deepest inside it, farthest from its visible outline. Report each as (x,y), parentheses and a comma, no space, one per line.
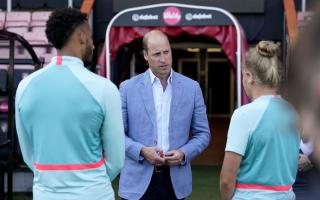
(61,25)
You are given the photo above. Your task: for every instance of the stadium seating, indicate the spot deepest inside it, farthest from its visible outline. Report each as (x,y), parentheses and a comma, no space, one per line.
(18,19)
(36,38)
(38,29)
(46,52)
(39,18)
(4,52)
(18,30)
(30,25)
(2,19)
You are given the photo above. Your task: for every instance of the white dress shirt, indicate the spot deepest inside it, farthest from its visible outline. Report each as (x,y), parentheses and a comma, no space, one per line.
(162,103)
(306,148)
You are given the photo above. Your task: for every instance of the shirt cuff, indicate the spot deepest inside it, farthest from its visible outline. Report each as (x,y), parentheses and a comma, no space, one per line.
(185,160)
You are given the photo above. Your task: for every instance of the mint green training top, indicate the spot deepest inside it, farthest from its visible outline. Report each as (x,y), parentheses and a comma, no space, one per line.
(70,129)
(265,133)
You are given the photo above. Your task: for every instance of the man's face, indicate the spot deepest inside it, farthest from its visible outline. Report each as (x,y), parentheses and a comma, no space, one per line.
(158,55)
(88,45)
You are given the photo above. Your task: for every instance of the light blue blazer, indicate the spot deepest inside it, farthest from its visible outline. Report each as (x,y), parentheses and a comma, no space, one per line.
(188,112)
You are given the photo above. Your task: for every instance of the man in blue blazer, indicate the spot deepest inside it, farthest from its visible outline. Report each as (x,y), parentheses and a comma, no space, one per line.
(160,107)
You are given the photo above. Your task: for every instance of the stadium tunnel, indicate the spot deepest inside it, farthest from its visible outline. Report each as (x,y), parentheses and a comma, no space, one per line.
(207,45)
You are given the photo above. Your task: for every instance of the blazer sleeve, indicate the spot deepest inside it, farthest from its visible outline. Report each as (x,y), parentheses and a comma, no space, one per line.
(133,148)
(112,132)
(199,127)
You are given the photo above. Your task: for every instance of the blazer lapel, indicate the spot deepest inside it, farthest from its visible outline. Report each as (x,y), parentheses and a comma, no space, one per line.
(147,97)
(176,95)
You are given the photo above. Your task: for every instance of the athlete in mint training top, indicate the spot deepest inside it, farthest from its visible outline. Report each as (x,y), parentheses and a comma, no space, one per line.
(69,119)
(262,148)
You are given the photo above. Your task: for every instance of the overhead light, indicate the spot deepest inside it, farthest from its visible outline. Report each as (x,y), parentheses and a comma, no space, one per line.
(193,49)
(211,50)
(214,50)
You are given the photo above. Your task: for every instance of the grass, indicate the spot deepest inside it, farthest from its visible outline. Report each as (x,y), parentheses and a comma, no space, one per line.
(205,184)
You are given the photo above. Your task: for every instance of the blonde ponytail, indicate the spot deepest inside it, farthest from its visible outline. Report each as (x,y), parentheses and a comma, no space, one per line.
(263,60)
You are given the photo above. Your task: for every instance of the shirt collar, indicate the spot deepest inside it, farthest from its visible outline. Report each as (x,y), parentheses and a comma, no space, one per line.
(153,78)
(269,96)
(64,59)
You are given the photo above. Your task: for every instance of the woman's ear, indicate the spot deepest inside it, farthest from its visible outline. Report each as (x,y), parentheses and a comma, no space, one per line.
(251,77)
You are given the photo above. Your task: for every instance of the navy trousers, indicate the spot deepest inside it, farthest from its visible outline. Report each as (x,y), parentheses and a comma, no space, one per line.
(160,187)
(307,185)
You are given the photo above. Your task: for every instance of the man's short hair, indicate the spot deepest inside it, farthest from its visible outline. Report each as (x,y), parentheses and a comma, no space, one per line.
(146,37)
(61,25)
